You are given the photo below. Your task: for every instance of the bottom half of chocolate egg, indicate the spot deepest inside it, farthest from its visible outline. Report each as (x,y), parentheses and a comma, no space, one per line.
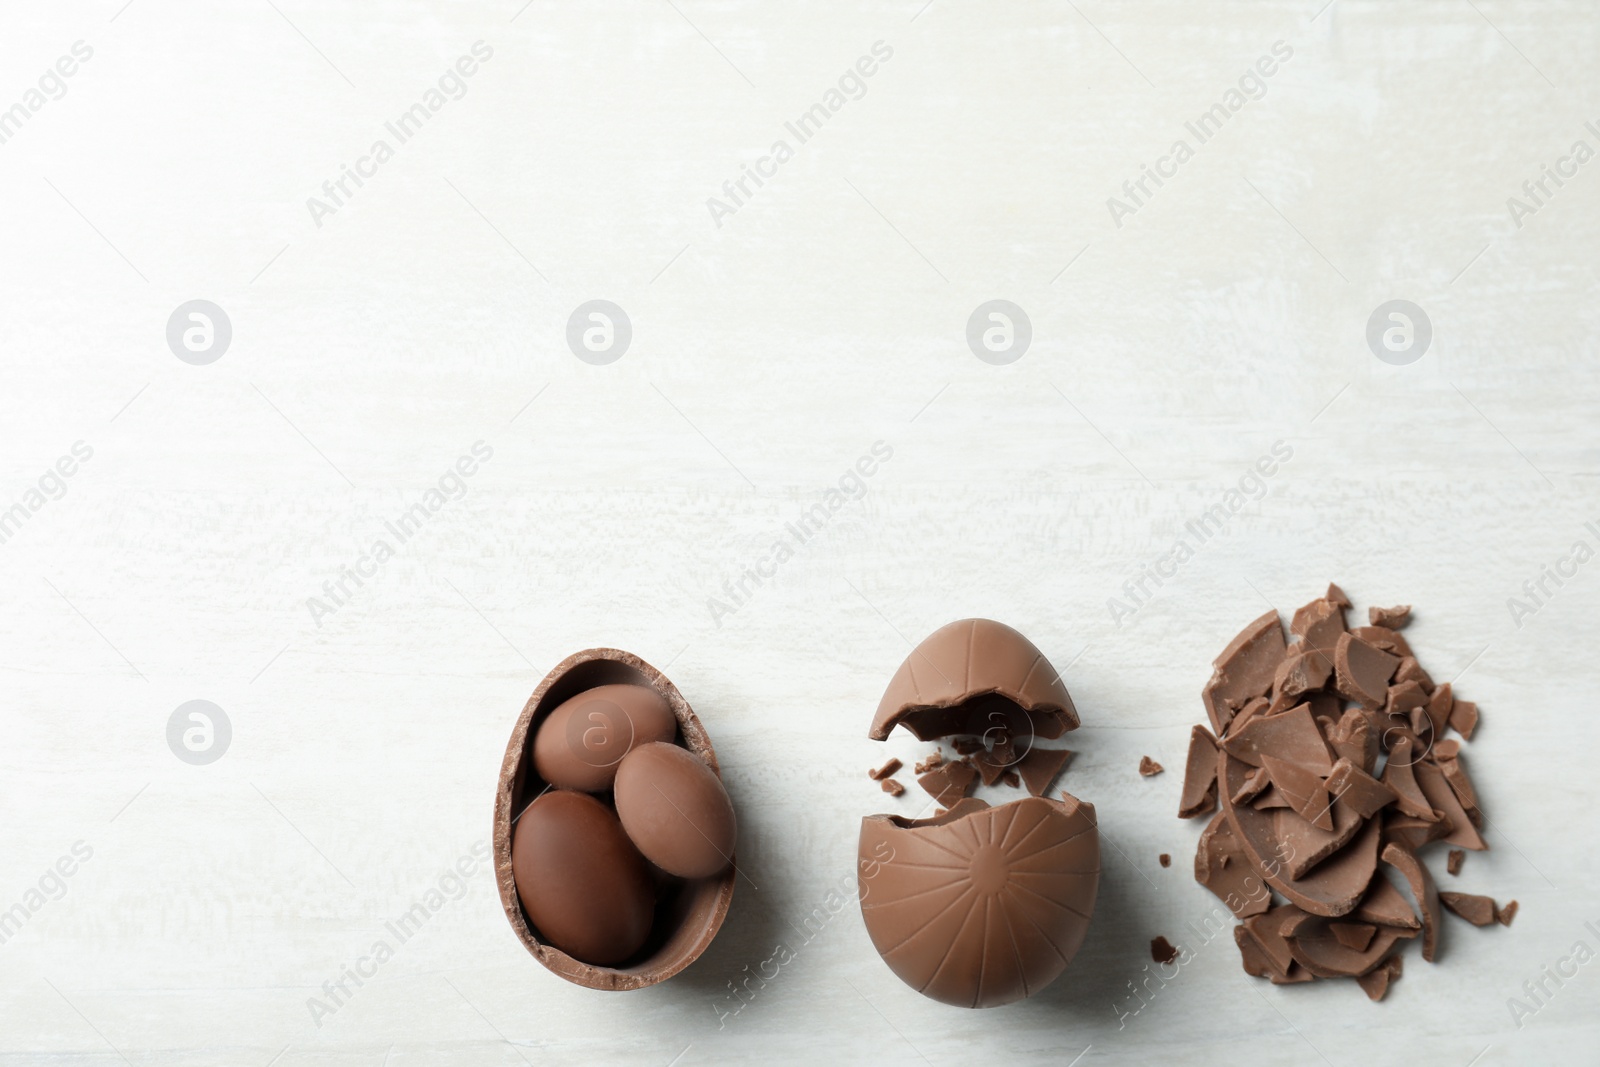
(980,906)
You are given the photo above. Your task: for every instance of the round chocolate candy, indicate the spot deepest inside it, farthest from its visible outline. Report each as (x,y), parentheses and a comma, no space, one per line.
(581,881)
(581,743)
(674,808)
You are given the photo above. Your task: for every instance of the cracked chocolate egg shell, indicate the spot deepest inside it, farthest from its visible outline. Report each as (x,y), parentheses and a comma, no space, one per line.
(971,677)
(687,913)
(980,906)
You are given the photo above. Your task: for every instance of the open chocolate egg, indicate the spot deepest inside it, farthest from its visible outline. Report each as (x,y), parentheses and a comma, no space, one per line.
(687,912)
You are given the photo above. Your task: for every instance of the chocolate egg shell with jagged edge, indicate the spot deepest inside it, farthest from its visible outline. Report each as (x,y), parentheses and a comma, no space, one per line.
(687,913)
(980,906)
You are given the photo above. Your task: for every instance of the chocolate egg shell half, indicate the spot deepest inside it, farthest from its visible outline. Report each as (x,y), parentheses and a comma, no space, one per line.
(973,676)
(687,914)
(980,906)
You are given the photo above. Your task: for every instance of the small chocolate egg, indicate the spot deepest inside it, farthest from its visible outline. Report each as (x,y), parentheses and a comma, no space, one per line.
(674,808)
(580,744)
(581,881)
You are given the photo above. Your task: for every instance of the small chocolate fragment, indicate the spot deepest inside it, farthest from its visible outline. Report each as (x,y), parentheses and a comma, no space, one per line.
(930,762)
(1504,915)
(1405,697)
(1423,892)
(1165,859)
(1464,718)
(1149,767)
(1010,779)
(1393,618)
(1336,595)
(990,768)
(1199,775)
(1253,707)
(892,787)
(1254,785)
(1477,910)
(948,782)
(1362,671)
(1317,950)
(1352,738)
(967,746)
(1162,950)
(1453,862)
(1375,983)
(886,770)
(1041,766)
(1411,671)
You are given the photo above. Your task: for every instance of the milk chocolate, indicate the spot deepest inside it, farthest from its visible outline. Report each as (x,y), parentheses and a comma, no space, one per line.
(1149,768)
(1304,812)
(892,787)
(968,677)
(982,906)
(1164,859)
(887,770)
(1041,766)
(1162,950)
(948,782)
(1477,910)
(1453,865)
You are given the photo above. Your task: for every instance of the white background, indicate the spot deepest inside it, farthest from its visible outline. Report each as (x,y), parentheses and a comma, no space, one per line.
(768,355)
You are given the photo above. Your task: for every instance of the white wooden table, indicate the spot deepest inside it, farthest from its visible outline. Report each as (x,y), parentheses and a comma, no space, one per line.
(376,339)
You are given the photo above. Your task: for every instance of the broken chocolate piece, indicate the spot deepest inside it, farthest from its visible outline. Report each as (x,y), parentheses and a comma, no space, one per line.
(1504,915)
(1250,954)
(1246,666)
(1267,930)
(1375,983)
(1336,596)
(1444,802)
(1384,906)
(1324,955)
(1352,738)
(892,787)
(1423,892)
(1010,779)
(988,767)
(1398,775)
(1460,784)
(1411,671)
(1362,671)
(1303,789)
(1391,618)
(1149,767)
(1301,672)
(1165,860)
(1355,787)
(1355,936)
(1199,775)
(948,782)
(1217,709)
(1041,766)
(1253,707)
(933,760)
(1162,950)
(1220,866)
(1403,698)
(1384,638)
(886,770)
(1477,910)
(1254,785)
(1464,718)
(1292,736)
(1318,625)
(1453,862)
(967,746)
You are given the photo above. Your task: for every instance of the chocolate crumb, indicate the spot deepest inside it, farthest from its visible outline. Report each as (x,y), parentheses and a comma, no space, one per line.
(892,787)
(1010,778)
(967,746)
(1162,950)
(886,770)
(1453,862)
(933,761)
(1149,767)
(1166,859)
(1504,915)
